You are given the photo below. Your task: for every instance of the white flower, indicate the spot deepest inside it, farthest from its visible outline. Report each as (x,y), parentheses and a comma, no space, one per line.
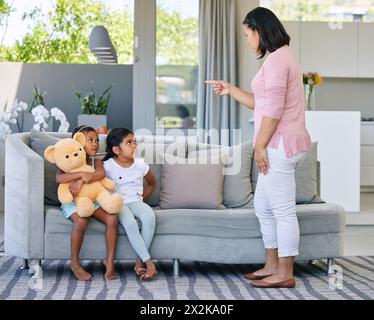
(4,131)
(60,116)
(23,105)
(41,117)
(40,111)
(5,117)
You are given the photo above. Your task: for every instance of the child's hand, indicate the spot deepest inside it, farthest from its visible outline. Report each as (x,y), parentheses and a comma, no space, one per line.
(87,177)
(76,186)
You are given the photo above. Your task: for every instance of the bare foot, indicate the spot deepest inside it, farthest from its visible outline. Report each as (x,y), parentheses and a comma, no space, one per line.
(139,267)
(151,271)
(110,273)
(80,273)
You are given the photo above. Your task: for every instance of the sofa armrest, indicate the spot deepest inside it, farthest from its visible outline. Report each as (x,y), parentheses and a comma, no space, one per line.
(24,199)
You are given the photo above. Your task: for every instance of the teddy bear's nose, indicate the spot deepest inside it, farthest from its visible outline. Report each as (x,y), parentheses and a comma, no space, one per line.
(75,154)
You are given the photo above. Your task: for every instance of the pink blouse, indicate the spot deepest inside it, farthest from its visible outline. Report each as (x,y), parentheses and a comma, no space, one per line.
(279,94)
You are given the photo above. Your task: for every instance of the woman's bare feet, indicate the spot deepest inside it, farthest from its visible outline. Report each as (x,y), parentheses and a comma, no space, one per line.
(110,273)
(80,273)
(139,267)
(151,271)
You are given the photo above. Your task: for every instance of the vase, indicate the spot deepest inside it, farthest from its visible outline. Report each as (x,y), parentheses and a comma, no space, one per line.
(309,97)
(92,120)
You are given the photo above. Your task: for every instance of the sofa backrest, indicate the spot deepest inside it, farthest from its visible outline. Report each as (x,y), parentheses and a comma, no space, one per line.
(157,143)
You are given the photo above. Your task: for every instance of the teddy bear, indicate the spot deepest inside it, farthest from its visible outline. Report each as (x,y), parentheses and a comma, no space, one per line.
(69,155)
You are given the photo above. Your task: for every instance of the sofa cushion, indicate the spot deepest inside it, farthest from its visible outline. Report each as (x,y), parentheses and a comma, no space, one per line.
(225,224)
(237,191)
(243,223)
(55,222)
(39,141)
(305,176)
(191,185)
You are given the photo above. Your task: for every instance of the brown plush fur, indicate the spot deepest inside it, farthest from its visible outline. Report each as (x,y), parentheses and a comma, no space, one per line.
(70,157)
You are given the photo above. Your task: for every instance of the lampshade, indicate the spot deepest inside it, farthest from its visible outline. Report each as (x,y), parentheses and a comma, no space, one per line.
(101,45)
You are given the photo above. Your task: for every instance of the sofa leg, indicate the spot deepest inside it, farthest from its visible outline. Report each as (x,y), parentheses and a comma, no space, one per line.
(25,265)
(176,268)
(330,266)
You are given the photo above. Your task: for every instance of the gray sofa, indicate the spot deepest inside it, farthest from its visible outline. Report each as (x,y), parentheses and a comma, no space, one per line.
(34,230)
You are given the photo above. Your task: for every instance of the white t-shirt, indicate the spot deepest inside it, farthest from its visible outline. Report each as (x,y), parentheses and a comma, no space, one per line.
(129,181)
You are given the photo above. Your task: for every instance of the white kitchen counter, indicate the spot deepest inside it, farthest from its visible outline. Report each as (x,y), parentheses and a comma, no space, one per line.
(338,134)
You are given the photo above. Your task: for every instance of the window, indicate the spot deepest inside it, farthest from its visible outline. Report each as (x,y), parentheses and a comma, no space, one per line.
(177,31)
(322,10)
(58,31)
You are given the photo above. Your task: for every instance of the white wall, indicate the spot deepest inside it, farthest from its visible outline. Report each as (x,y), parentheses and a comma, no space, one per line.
(346,94)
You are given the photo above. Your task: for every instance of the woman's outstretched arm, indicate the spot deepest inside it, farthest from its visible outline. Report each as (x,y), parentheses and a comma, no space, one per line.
(222,88)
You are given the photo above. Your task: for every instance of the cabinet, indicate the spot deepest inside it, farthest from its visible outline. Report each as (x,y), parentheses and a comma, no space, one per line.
(367,154)
(332,52)
(365,50)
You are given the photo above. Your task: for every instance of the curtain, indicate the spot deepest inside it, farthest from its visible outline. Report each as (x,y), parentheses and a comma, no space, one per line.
(217,61)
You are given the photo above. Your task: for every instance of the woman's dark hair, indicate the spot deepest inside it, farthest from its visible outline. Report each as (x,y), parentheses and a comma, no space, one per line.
(271,31)
(82,129)
(184,112)
(114,139)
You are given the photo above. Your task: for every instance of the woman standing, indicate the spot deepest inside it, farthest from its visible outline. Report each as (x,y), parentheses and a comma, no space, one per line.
(280,141)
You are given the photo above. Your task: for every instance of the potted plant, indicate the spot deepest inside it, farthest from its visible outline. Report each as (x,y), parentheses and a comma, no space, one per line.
(94,109)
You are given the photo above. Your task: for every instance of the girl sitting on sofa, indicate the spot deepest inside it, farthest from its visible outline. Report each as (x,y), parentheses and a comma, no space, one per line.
(128,172)
(76,181)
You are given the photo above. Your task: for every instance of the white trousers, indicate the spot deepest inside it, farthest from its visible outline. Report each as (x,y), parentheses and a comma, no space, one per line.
(275,202)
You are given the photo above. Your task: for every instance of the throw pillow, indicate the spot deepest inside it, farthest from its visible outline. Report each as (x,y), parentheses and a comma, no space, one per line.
(39,141)
(306,179)
(191,186)
(237,179)
(305,176)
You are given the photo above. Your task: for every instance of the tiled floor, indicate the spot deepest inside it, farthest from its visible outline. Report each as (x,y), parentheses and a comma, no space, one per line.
(359,234)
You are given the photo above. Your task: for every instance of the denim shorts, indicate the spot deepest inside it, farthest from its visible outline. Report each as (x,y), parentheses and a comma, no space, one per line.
(69,208)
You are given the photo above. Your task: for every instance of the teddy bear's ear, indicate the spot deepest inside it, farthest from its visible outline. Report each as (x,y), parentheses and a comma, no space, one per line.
(79,136)
(49,154)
